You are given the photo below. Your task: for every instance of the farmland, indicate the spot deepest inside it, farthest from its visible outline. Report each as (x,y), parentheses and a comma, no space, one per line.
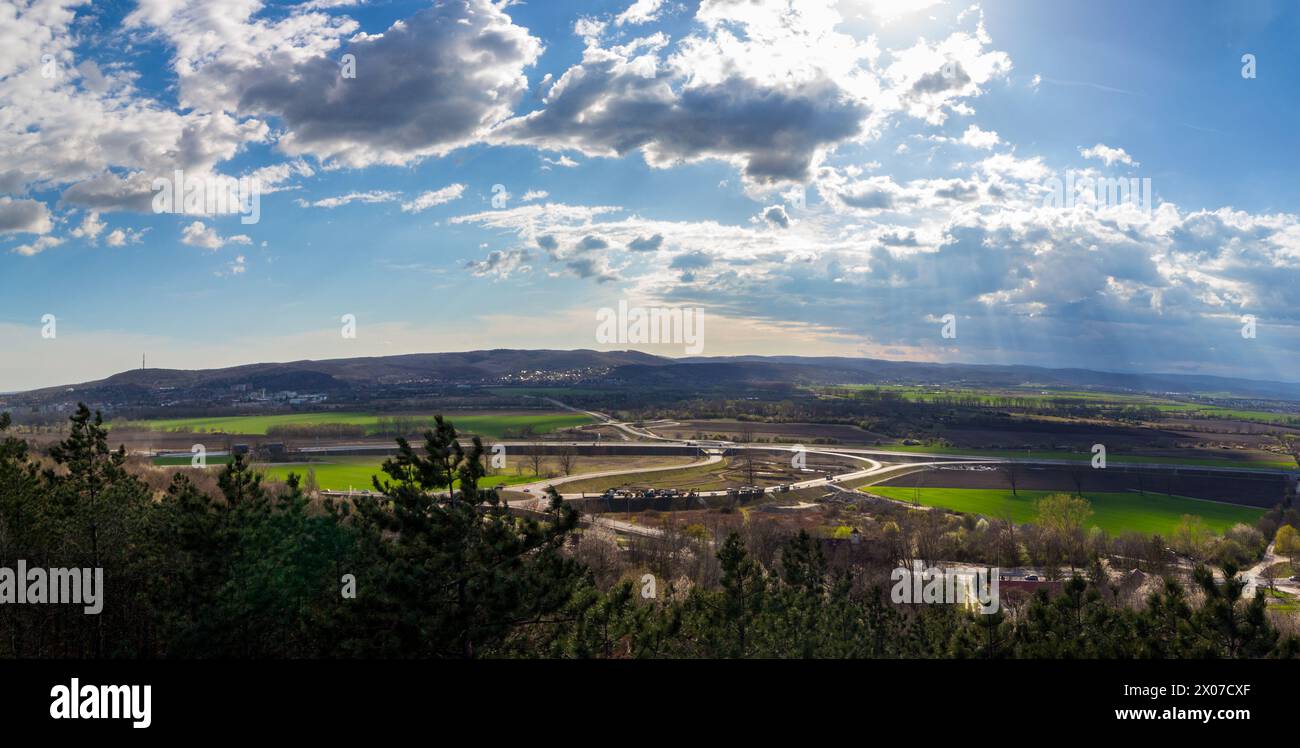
(344,473)
(1112,512)
(1030,397)
(348,473)
(1241,459)
(493,425)
(731,472)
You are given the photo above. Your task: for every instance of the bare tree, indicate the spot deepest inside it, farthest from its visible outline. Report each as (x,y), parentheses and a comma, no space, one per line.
(1077,474)
(1290,445)
(1065,518)
(1008,547)
(1014,472)
(1270,575)
(567,459)
(536,460)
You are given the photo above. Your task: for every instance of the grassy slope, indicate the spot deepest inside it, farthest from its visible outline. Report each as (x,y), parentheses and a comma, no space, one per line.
(1113,512)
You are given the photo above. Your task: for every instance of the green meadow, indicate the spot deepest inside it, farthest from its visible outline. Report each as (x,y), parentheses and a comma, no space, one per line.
(335,473)
(1113,512)
(1242,459)
(490,425)
(345,473)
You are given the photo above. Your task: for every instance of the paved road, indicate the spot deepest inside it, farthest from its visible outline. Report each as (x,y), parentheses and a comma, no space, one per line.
(1254,576)
(541,485)
(876,470)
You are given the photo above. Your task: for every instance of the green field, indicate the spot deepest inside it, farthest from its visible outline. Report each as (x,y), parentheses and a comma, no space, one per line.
(187,460)
(490,425)
(345,473)
(1112,512)
(1249,460)
(1044,397)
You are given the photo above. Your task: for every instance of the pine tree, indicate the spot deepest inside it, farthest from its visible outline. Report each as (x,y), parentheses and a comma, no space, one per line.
(455,571)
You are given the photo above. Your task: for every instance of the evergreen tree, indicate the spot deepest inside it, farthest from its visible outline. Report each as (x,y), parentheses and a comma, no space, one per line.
(454,571)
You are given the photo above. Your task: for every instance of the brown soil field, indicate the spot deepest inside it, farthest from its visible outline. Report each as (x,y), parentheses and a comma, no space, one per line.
(594,464)
(815,521)
(791,432)
(730,473)
(1225,429)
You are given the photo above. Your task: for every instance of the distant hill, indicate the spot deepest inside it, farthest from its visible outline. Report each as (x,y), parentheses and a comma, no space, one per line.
(345,373)
(869,371)
(354,378)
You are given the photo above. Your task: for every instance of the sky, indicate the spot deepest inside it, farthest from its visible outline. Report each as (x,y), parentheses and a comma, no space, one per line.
(817,177)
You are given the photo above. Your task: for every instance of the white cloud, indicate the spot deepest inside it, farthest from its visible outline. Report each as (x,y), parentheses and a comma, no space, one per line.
(930,81)
(40,245)
(456,68)
(641,11)
(771,101)
(199,234)
(977,138)
(237,266)
(771,88)
(91,227)
(892,10)
(1108,155)
(426,200)
(562,161)
(371,196)
(122,237)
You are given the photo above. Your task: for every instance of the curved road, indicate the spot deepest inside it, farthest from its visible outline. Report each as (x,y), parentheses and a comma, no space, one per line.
(874,467)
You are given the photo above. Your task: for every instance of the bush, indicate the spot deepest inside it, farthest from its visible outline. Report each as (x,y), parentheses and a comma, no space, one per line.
(1288,540)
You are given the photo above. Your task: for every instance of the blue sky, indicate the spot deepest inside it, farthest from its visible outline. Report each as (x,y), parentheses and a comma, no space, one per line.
(651,152)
